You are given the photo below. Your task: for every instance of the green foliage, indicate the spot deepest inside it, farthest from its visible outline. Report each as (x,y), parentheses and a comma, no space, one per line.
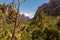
(51,34)
(12,15)
(2,16)
(42,27)
(36,35)
(47,25)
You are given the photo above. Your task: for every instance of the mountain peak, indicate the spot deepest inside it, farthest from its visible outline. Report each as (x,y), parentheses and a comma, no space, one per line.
(23,17)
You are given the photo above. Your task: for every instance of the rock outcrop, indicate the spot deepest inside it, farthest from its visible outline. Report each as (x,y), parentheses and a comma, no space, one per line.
(51,8)
(10,11)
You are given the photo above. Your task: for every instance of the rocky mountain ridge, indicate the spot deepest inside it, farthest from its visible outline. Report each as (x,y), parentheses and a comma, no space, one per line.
(51,8)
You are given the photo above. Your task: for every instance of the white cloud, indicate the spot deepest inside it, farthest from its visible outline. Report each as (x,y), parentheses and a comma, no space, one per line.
(27,14)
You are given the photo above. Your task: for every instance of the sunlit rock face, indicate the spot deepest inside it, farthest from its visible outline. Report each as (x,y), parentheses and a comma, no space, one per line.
(23,17)
(51,8)
(9,10)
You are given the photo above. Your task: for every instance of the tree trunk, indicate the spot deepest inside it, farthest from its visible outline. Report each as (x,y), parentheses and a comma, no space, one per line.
(15,27)
(16,23)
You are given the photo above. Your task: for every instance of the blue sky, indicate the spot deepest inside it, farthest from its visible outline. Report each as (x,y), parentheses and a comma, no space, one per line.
(29,7)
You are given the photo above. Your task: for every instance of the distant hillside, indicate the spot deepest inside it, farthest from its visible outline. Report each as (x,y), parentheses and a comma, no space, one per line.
(51,8)
(23,17)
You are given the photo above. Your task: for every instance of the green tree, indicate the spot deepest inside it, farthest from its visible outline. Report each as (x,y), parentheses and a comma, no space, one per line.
(51,34)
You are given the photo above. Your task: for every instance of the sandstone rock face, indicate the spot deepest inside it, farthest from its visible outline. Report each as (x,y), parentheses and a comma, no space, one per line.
(51,8)
(10,11)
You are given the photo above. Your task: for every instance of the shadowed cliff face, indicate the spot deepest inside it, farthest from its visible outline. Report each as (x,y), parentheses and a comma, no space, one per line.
(51,8)
(54,0)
